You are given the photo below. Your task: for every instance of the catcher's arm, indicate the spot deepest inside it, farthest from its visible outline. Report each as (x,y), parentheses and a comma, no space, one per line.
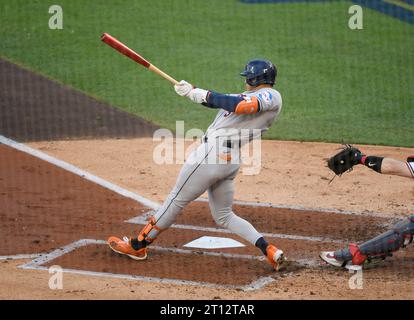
(350,156)
(398,168)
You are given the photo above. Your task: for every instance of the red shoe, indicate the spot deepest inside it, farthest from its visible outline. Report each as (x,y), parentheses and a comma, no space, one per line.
(124,247)
(275,257)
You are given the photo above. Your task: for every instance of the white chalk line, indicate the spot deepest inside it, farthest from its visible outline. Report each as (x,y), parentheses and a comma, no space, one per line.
(143,220)
(79,172)
(208,253)
(39,261)
(303,208)
(21,256)
(260,283)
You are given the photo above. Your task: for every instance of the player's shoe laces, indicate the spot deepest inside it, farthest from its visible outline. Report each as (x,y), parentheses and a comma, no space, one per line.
(275,257)
(124,247)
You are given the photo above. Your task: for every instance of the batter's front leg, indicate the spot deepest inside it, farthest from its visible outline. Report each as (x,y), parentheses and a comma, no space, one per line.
(193,180)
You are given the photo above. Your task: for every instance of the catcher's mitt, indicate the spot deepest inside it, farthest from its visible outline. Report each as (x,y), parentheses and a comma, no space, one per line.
(345,159)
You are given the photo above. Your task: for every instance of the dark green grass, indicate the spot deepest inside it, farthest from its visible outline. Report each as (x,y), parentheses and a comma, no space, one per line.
(337,84)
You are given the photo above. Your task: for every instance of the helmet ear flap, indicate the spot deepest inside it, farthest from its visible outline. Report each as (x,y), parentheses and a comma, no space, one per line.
(252,82)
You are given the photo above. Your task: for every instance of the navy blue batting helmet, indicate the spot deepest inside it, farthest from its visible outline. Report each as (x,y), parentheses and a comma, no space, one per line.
(259,72)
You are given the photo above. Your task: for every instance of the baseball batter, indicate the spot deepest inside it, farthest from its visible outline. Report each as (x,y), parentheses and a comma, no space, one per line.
(214,164)
(377,249)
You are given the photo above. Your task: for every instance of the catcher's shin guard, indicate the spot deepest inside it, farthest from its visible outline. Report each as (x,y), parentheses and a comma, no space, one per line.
(381,246)
(150,228)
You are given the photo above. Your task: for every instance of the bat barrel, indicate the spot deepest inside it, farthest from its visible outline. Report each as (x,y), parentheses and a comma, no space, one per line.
(119,46)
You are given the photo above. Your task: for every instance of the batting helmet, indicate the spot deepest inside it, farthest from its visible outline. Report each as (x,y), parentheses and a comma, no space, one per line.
(259,72)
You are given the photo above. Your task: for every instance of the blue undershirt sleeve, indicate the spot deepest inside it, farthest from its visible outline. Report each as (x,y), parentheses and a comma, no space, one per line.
(222,101)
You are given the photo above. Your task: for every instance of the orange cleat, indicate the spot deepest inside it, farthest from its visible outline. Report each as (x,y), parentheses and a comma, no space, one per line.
(275,257)
(124,247)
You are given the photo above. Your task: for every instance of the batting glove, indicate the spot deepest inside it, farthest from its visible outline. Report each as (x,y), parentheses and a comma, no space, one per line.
(183,88)
(186,89)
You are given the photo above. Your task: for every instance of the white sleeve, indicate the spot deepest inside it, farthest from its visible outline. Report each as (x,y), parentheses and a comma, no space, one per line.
(269,100)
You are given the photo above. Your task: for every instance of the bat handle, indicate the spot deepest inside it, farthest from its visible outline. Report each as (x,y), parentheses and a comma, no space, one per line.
(163,74)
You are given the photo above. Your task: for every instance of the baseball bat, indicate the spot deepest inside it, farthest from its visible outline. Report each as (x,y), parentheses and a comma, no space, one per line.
(122,48)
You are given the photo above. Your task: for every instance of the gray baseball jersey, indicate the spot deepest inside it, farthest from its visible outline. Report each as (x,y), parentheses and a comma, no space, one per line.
(230,124)
(197,175)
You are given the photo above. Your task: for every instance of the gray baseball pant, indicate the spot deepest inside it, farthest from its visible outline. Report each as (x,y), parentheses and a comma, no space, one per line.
(201,172)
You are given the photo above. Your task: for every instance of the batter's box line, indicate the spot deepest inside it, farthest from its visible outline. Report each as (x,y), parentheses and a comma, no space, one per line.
(303,208)
(143,219)
(38,262)
(21,256)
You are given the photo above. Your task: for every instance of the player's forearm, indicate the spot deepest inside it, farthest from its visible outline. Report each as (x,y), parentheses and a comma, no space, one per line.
(395,167)
(387,166)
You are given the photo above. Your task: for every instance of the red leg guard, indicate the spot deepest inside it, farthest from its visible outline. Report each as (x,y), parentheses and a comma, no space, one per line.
(357,257)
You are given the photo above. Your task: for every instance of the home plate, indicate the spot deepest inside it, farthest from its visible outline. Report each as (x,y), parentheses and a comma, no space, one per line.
(206,242)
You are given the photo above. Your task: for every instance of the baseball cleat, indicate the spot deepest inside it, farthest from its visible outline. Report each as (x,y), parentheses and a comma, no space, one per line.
(329,257)
(124,247)
(275,257)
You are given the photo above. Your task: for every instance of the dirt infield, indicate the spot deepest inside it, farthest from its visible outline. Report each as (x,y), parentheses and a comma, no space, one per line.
(35,108)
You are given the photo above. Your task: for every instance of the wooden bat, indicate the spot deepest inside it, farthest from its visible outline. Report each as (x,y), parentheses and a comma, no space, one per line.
(122,48)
